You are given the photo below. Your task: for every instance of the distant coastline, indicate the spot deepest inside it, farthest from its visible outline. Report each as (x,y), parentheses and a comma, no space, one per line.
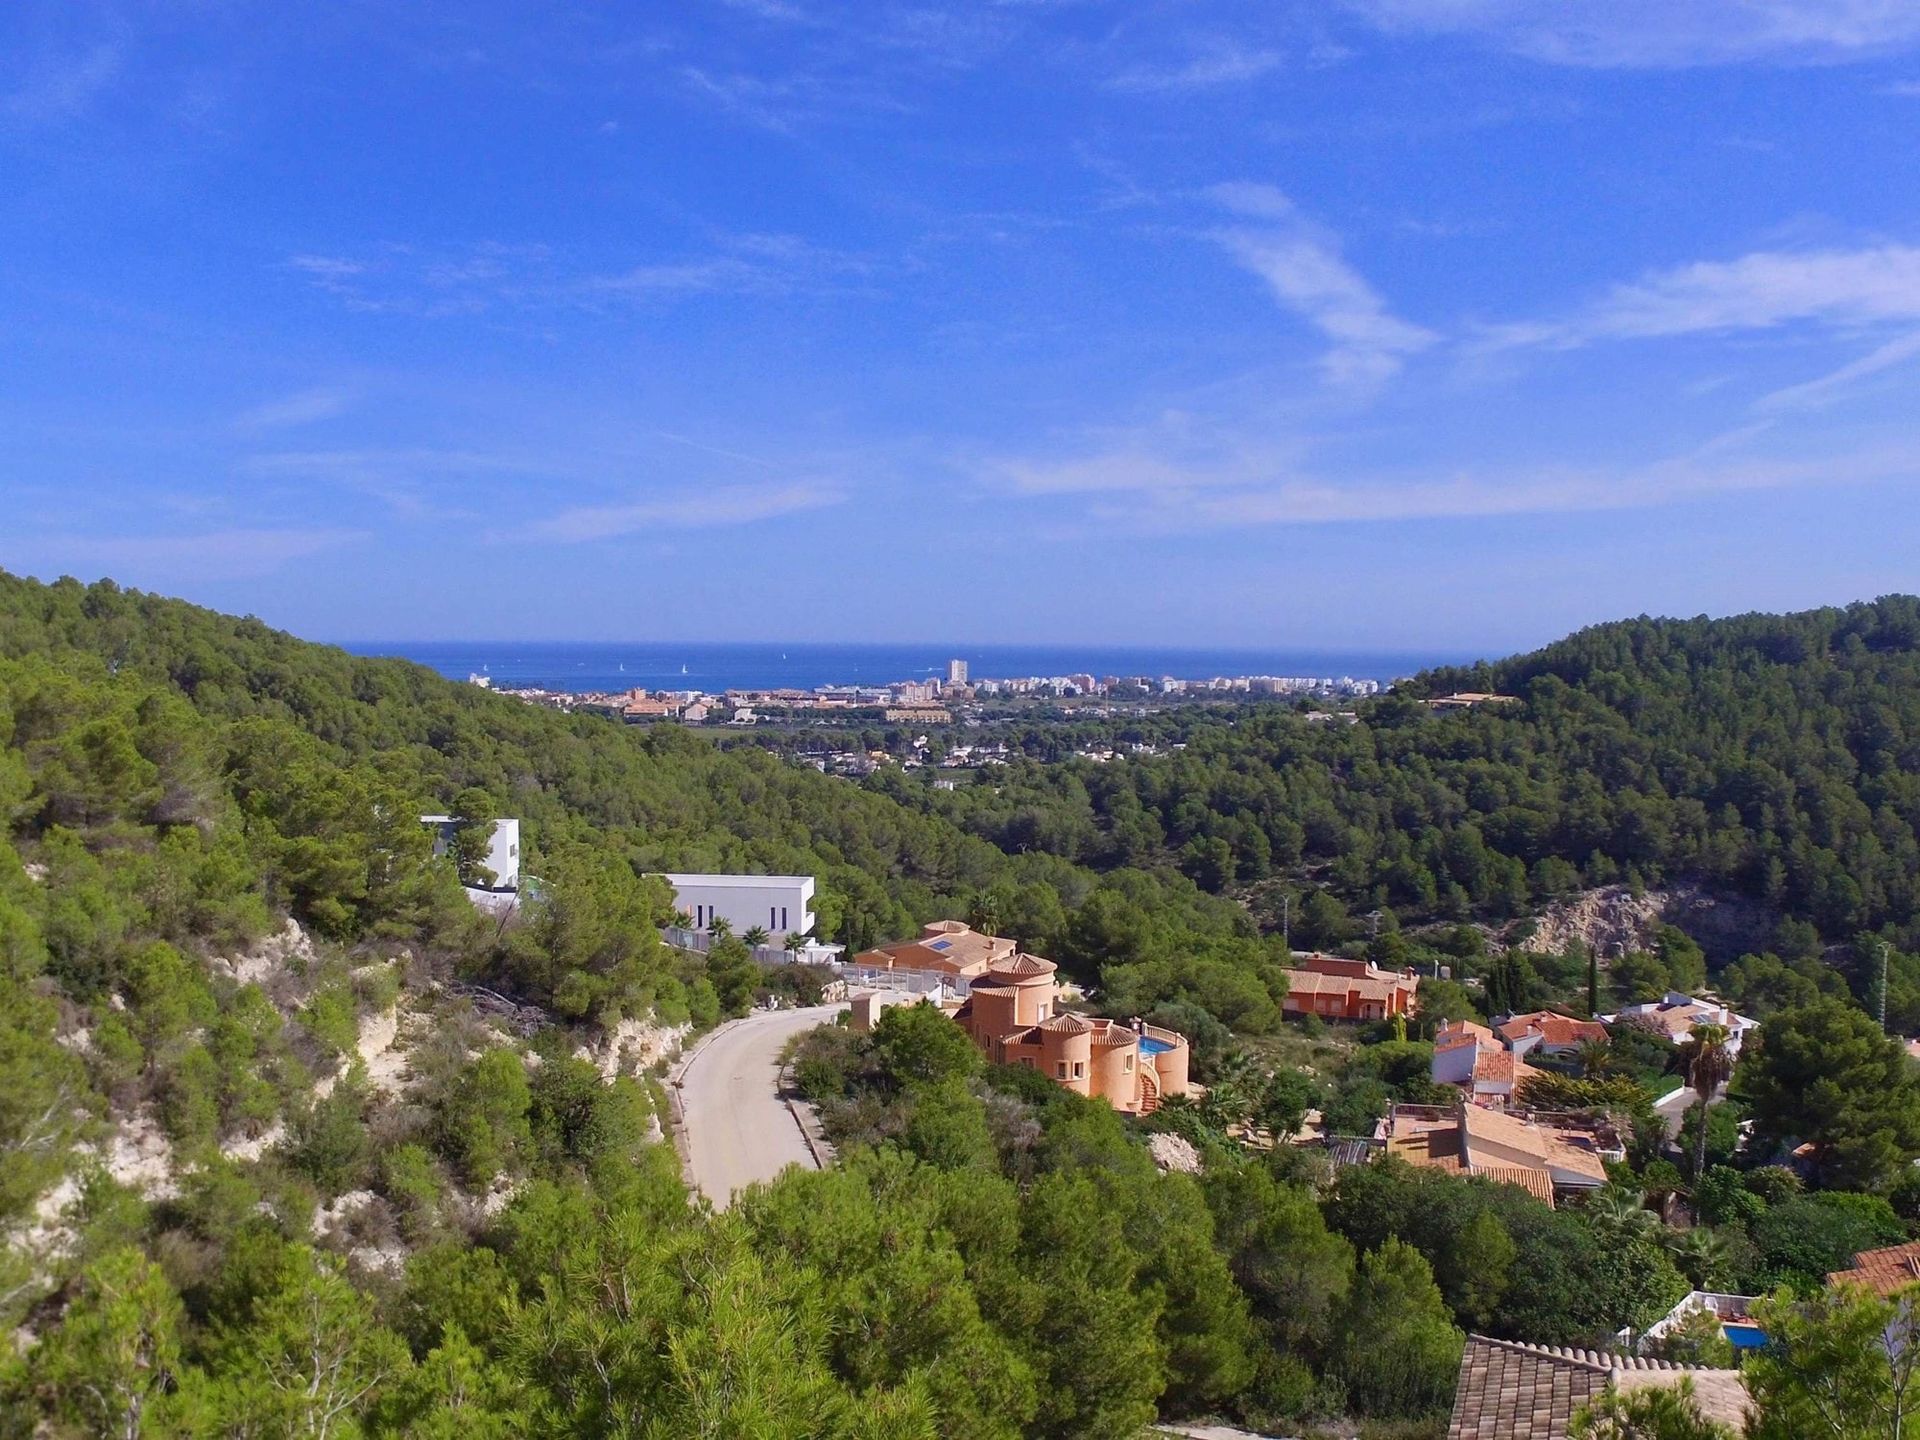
(588,667)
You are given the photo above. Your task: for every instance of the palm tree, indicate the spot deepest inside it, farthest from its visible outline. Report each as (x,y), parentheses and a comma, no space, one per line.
(1707,1063)
(794,943)
(985,914)
(756,937)
(1702,1255)
(1595,1059)
(720,926)
(1620,1211)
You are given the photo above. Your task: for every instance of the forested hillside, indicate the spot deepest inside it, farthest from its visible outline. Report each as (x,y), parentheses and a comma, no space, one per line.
(1770,756)
(265,1168)
(272,1164)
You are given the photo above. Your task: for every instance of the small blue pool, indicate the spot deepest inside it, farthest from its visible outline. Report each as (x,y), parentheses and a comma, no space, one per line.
(1745,1337)
(1151,1046)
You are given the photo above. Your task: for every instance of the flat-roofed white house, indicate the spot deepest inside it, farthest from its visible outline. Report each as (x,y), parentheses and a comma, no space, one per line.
(503,849)
(781,905)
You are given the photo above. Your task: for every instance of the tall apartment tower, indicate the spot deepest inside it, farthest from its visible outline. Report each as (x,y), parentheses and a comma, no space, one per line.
(956,672)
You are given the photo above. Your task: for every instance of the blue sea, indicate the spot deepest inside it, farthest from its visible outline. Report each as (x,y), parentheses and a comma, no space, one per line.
(714,667)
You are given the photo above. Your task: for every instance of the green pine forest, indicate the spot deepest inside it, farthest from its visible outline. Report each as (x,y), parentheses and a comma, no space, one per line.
(214,887)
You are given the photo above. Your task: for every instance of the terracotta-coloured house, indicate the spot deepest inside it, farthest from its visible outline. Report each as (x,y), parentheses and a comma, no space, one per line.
(1549,1032)
(948,955)
(1012,1014)
(1338,989)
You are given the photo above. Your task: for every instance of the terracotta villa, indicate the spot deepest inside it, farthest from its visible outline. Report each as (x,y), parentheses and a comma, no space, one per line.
(1011,1011)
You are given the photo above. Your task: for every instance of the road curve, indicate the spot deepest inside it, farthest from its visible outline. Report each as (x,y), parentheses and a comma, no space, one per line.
(738,1129)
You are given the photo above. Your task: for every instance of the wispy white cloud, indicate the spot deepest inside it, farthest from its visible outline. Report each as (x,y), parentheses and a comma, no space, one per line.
(1301,263)
(410,481)
(478,279)
(326,267)
(59,87)
(1255,485)
(706,508)
(1760,291)
(1217,63)
(231,554)
(777,105)
(1663,33)
(1826,387)
(304,407)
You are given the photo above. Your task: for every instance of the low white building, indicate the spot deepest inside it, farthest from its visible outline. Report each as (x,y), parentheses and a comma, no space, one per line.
(1675,1015)
(503,849)
(781,905)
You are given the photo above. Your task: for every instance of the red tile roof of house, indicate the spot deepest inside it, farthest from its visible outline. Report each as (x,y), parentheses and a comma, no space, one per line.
(1022,966)
(1553,1029)
(1066,1025)
(1883,1271)
(1380,986)
(1456,1033)
(1512,1391)
(1494,1066)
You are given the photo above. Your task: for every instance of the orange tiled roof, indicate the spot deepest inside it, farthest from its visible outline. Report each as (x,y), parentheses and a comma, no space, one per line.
(912,955)
(1536,1142)
(1023,965)
(1553,1029)
(1883,1271)
(1456,1033)
(1066,1025)
(1438,1148)
(1374,987)
(1493,1066)
(1511,1391)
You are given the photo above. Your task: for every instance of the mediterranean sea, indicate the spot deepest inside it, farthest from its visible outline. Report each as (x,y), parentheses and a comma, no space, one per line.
(715,667)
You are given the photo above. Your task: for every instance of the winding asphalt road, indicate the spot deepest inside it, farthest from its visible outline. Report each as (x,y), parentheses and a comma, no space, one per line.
(738,1129)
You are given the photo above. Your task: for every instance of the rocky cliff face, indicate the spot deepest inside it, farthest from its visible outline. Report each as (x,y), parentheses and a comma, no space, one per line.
(1613,921)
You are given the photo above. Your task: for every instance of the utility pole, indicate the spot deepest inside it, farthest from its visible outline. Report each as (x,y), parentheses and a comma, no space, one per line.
(1286,922)
(1882,1007)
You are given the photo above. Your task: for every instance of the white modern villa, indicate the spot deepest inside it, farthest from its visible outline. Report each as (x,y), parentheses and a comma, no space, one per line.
(503,849)
(781,905)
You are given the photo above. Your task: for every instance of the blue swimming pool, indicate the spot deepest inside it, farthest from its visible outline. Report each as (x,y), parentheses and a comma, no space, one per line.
(1745,1337)
(1151,1046)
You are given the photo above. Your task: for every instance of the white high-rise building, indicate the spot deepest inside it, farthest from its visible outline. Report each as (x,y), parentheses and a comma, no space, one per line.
(956,672)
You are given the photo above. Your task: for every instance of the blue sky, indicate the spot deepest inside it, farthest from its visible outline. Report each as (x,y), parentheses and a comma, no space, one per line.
(1346,323)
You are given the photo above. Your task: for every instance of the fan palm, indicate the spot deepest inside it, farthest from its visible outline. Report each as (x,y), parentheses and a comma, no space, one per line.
(1595,1059)
(1620,1211)
(1702,1255)
(1707,1062)
(756,937)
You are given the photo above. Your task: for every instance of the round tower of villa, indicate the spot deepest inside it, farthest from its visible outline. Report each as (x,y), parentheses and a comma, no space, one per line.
(1115,1056)
(1171,1066)
(1066,1052)
(1030,979)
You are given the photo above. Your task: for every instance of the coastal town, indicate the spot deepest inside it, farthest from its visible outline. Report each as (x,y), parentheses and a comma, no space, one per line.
(955,698)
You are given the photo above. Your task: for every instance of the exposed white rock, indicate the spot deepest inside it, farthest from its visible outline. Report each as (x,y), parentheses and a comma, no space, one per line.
(633,1045)
(336,1212)
(1174,1152)
(389,1258)
(252,1147)
(268,956)
(380,1052)
(384,1061)
(139,1155)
